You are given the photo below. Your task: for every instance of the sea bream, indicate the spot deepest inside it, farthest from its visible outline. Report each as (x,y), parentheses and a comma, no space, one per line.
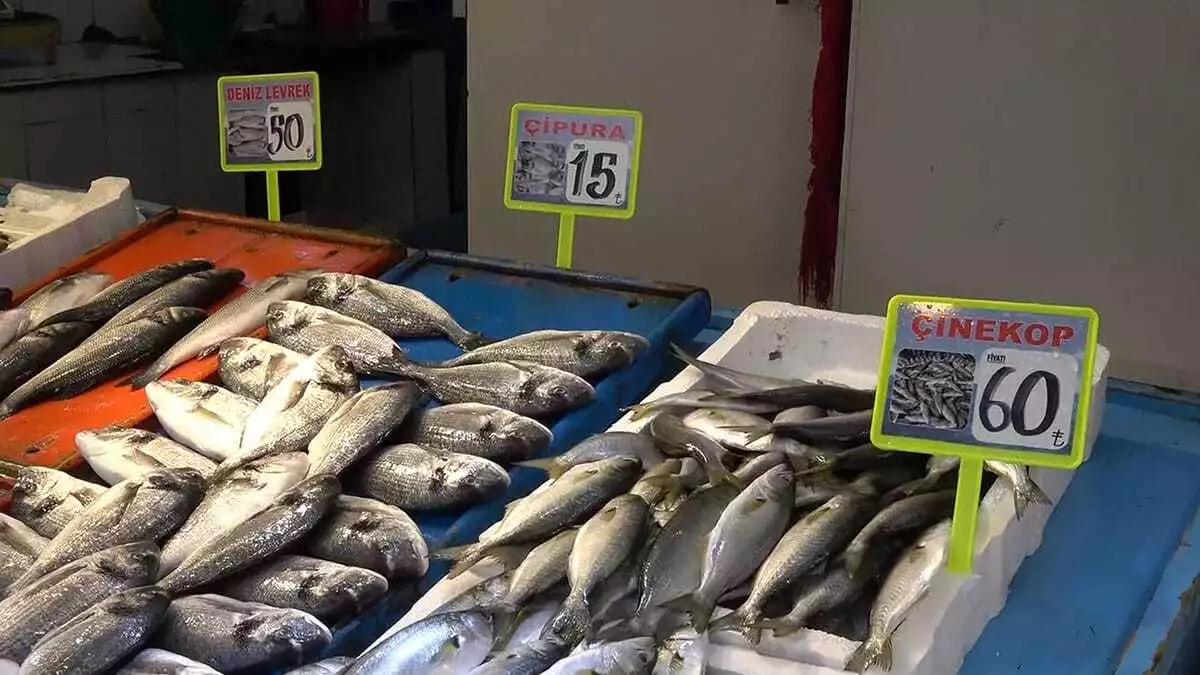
(359,425)
(162,662)
(367,533)
(240,316)
(399,311)
(307,329)
(478,429)
(47,499)
(411,477)
(329,591)
(590,353)
(202,416)
(117,454)
(251,367)
(117,296)
(522,387)
(36,350)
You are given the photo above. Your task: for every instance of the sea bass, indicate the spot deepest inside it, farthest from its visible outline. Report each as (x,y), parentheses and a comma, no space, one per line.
(202,416)
(35,351)
(372,535)
(47,499)
(522,387)
(396,310)
(307,328)
(116,297)
(238,317)
(327,590)
(63,294)
(117,454)
(125,347)
(19,546)
(478,429)
(589,353)
(251,367)
(359,425)
(13,324)
(411,477)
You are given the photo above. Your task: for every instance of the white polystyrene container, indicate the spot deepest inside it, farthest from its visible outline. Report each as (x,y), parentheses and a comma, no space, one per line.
(775,338)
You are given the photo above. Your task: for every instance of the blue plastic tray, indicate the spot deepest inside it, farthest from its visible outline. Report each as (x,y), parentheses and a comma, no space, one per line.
(503,299)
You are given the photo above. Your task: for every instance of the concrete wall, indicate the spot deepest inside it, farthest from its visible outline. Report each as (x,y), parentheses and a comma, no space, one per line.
(1031,150)
(725,88)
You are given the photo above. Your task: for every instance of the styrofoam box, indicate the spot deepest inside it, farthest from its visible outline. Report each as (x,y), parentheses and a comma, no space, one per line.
(49,228)
(780,339)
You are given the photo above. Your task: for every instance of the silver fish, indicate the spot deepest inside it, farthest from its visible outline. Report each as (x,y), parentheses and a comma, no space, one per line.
(232,501)
(241,315)
(102,636)
(1025,491)
(292,516)
(146,508)
(359,425)
(905,585)
(906,515)
(831,592)
(251,367)
(479,429)
(804,413)
(728,378)
(545,566)
(587,353)
(561,503)
(411,477)
(626,657)
(838,431)
(19,547)
(731,428)
(372,535)
(692,399)
(202,416)
(743,537)
(13,324)
(162,662)
(117,453)
(670,431)
(334,665)
(529,625)
(295,409)
(601,446)
(522,387)
(307,328)
(399,311)
(329,591)
(757,466)
(116,297)
(47,499)
(602,544)
(231,635)
(528,659)
(63,294)
(86,366)
(36,350)
(454,642)
(804,546)
(29,613)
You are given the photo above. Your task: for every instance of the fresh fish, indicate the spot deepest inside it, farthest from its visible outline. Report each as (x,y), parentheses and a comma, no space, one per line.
(907,515)
(529,659)
(587,353)
(411,477)
(628,657)
(146,508)
(125,347)
(251,367)
(670,431)
(372,535)
(522,387)
(757,466)
(692,399)
(47,499)
(825,396)
(116,297)
(307,329)
(545,566)
(454,642)
(602,544)
(937,473)
(828,593)
(232,501)
(728,378)
(231,635)
(1025,491)
(576,495)
(63,294)
(839,431)
(19,547)
(162,662)
(479,429)
(292,516)
(674,557)
(905,585)
(529,625)
(239,316)
(102,636)
(602,446)
(814,489)
(683,652)
(744,535)
(13,324)
(202,416)
(35,351)
(117,454)
(334,665)
(396,310)
(26,615)
(295,409)
(198,289)
(804,413)
(663,481)
(359,425)
(329,591)
(805,546)
(731,428)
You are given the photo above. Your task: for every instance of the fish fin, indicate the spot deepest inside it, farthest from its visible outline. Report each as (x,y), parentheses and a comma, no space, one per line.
(694,605)
(874,651)
(545,464)
(721,475)
(450,552)
(472,340)
(639,411)
(208,351)
(140,380)
(779,627)
(754,431)
(732,621)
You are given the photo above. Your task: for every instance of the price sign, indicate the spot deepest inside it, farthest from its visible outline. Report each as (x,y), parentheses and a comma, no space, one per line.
(270,122)
(984,380)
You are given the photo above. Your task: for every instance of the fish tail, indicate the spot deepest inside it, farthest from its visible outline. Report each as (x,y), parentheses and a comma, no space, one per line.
(780,627)
(545,464)
(640,411)
(732,621)
(753,431)
(1028,493)
(695,605)
(572,623)
(874,651)
(463,558)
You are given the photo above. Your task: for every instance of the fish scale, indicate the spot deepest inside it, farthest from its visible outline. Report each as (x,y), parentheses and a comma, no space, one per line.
(63,294)
(583,353)
(307,329)
(372,535)
(31,353)
(327,590)
(48,499)
(359,425)
(411,477)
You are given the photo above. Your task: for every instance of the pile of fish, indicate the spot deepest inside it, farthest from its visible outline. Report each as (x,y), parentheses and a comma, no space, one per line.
(753,505)
(276,504)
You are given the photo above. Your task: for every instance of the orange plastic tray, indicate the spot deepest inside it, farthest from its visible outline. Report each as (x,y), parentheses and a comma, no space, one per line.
(45,433)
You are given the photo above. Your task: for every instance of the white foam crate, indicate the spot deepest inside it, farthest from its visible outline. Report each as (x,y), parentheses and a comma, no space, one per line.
(775,338)
(52,227)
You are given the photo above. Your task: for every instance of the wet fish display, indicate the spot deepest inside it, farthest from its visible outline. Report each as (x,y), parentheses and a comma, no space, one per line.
(522,387)
(372,535)
(308,329)
(582,353)
(36,350)
(396,310)
(411,477)
(63,294)
(237,317)
(478,429)
(359,425)
(327,590)
(121,294)
(251,367)
(47,499)
(202,416)
(117,453)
